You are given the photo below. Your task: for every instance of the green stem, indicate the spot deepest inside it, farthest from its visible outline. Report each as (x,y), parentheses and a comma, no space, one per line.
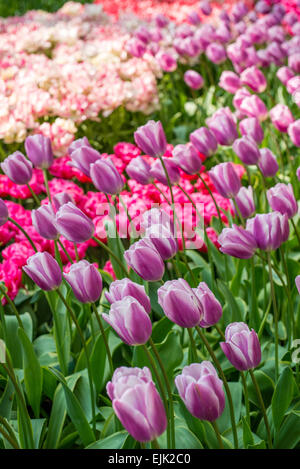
(65,251)
(12,305)
(275,316)
(10,440)
(76,252)
(155,444)
(104,338)
(291,321)
(24,233)
(10,432)
(193,345)
(34,196)
(112,254)
(47,185)
(296,231)
(217,432)
(213,199)
(263,409)
(246,396)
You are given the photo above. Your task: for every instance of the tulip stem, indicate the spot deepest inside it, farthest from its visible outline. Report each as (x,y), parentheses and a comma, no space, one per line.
(112,254)
(213,199)
(155,444)
(261,401)
(290,321)
(296,230)
(161,192)
(34,196)
(246,397)
(10,437)
(74,319)
(193,345)
(134,235)
(65,251)
(104,338)
(47,185)
(217,432)
(24,233)
(275,315)
(12,305)
(76,252)
(219,368)
(240,216)
(169,391)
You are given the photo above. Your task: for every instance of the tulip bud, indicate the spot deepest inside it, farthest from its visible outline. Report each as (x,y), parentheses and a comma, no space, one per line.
(145,260)
(80,142)
(294,62)
(254,78)
(136,47)
(294,132)
(157,171)
(245,202)
(17,168)
(73,224)
(284,74)
(39,151)
(137,403)
(187,158)
(83,157)
(212,308)
(216,53)
(251,127)
(204,140)
(167,62)
(85,281)
(161,20)
(180,303)
(282,199)
(3,213)
(193,79)
(163,240)
(139,170)
(60,199)
(44,270)
(225,180)
(119,289)
(267,163)
(130,321)
(201,390)
(242,347)
(253,106)
(106,177)
(270,230)
(237,242)
(281,117)
(247,150)
(229,81)
(194,18)
(223,128)
(239,96)
(262,7)
(151,139)
(43,220)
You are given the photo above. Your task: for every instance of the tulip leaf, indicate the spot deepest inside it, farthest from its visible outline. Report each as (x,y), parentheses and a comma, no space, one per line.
(282,396)
(224,422)
(12,340)
(289,433)
(115,441)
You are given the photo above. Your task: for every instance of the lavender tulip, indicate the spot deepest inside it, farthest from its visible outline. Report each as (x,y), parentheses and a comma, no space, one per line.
(163,240)
(136,47)
(293,84)
(294,132)
(251,127)
(270,230)
(137,403)
(73,224)
(161,20)
(254,78)
(201,390)
(216,53)
(223,128)
(239,96)
(151,139)
(156,216)
(85,281)
(229,81)
(60,199)
(130,321)
(187,158)
(39,151)
(253,106)
(205,7)
(282,199)
(166,61)
(3,213)
(44,270)
(267,163)
(157,171)
(17,168)
(80,142)
(194,18)
(83,157)
(225,180)
(106,178)
(281,117)
(204,140)
(245,202)
(139,170)
(247,150)
(126,287)
(212,308)
(294,62)
(242,347)
(145,260)
(180,304)
(43,220)
(193,79)
(237,242)
(239,10)
(262,7)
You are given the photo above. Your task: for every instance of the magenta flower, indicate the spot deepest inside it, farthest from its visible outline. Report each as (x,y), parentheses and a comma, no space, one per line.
(269,230)
(17,168)
(139,170)
(73,224)
(282,199)
(237,242)
(229,81)
(145,260)
(245,202)
(187,158)
(252,128)
(247,150)
(157,171)
(39,151)
(242,347)
(126,287)
(163,240)
(83,157)
(43,220)
(85,281)
(267,163)
(281,117)
(44,270)
(80,142)
(224,129)
(212,309)
(294,132)
(151,139)
(253,106)
(225,180)
(106,178)
(193,79)
(204,140)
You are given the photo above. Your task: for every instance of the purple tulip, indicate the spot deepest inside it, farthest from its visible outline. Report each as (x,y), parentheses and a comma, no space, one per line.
(43,220)
(17,168)
(293,84)
(157,171)
(297,282)
(39,151)
(85,281)
(294,62)
(239,10)
(145,260)
(254,78)
(106,178)
(180,304)
(80,142)
(229,81)
(137,403)
(294,132)
(242,347)
(130,321)
(166,61)
(60,199)
(73,224)
(83,157)
(236,53)
(139,170)
(163,240)
(281,117)
(270,230)
(212,308)
(204,140)
(216,53)
(204,36)
(3,213)
(251,127)
(193,79)
(143,34)
(205,7)
(44,270)
(245,202)
(247,150)
(223,128)
(239,96)
(253,106)
(282,199)
(267,163)
(201,390)
(126,287)
(161,20)
(156,216)
(225,180)
(187,158)
(262,7)
(237,242)
(151,139)
(136,47)
(194,18)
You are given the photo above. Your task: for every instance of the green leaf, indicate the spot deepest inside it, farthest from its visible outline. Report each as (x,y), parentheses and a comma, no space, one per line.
(98,361)
(185,439)
(224,422)
(115,245)
(247,434)
(115,441)
(33,377)
(12,340)
(236,313)
(282,396)
(289,434)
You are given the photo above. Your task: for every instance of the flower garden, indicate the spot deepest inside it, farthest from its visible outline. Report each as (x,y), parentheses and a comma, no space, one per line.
(149,225)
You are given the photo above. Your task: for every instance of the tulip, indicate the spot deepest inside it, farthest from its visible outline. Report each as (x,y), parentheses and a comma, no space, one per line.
(151,139)
(157,216)
(85,281)
(204,140)
(139,170)
(205,7)
(229,81)
(281,117)
(17,168)
(163,240)
(247,150)
(194,18)
(239,96)
(253,106)
(167,62)
(262,7)
(136,47)
(73,224)
(39,151)
(80,142)
(44,270)
(251,127)
(237,242)
(180,304)
(254,78)
(43,220)
(294,62)
(137,403)
(282,199)
(157,171)
(239,10)
(187,158)
(201,390)
(223,33)
(225,180)
(106,177)
(293,84)
(193,79)
(83,157)
(145,260)
(223,128)
(130,321)
(3,213)
(161,20)
(290,18)
(267,163)
(294,132)
(270,230)
(143,34)
(245,202)
(60,199)
(242,347)
(212,308)
(119,289)
(216,53)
